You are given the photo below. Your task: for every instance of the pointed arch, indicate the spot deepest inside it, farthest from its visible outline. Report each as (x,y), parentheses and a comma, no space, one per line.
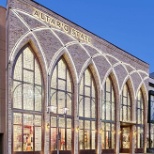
(87,110)
(29,38)
(129,80)
(61,97)
(109,106)
(114,78)
(27,101)
(90,64)
(140,118)
(127,102)
(70,64)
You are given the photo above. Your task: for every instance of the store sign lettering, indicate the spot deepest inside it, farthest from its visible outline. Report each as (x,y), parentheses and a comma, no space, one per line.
(62,26)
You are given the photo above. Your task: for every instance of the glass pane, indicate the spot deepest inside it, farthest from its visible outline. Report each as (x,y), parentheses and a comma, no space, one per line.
(87,125)
(54,79)
(87,139)
(69,123)
(125,90)
(38,139)
(53,122)
(28,96)
(81,107)
(17,95)
(103,135)
(87,107)
(108,85)
(69,104)
(61,122)
(61,84)
(87,78)
(28,59)
(113,137)
(81,87)
(38,120)
(53,97)
(93,89)
(108,112)
(28,76)
(93,139)
(53,139)
(28,138)
(108,96)
(87,91)
(17,118)
(126,137)
(28,119)
(62,139)
(18,69)
(61,69)
(93,109)
(103,109)
(37,74)
(38,98)
(17,138)
(69,86)
(125,101)
(81,137)
(61,101)
(81,124)
(113,111)
(69,139)
(93,125)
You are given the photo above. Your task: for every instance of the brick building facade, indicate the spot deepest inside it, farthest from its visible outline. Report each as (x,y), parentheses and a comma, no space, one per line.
(54,64)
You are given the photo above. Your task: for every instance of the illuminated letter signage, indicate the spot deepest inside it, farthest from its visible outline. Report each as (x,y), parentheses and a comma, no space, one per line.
(62,26)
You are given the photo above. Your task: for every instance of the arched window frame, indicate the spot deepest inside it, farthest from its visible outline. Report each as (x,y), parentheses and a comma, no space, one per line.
(87,118)
(126,105)
(108,116)
(27,118)
(140,120)
(57,118)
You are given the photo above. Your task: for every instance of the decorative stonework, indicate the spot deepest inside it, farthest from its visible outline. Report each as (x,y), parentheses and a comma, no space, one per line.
(50,43)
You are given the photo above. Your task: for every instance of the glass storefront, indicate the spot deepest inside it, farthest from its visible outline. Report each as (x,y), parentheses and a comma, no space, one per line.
(87,112)
(139,121)
(27,103)
(108,116)
(28,110)
(126,107)
(61,97)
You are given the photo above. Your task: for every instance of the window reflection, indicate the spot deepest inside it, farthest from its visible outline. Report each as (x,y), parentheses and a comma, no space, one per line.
(108,116)
(87,112)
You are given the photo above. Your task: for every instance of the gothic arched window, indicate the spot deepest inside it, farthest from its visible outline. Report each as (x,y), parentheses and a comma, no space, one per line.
(87,112)
(61,97)
(139,120)
(108,116)
(27,102)
(126,107)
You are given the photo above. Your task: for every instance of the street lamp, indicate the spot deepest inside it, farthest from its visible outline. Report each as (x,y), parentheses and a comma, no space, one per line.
(52,109)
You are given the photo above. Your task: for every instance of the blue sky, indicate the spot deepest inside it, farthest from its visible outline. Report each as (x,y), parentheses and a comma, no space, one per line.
(127,24)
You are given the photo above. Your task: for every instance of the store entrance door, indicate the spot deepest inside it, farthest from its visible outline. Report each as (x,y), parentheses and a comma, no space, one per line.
(1,143)
(125,139)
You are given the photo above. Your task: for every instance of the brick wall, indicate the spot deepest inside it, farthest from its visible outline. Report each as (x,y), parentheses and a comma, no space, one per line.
(50,43)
